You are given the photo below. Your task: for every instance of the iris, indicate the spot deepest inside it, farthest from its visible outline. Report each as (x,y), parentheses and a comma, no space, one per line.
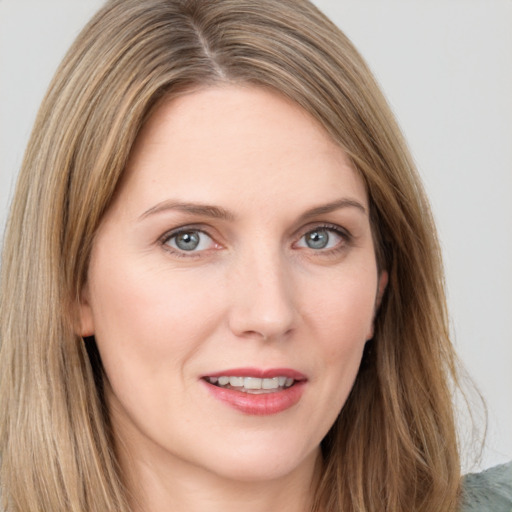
(317,239)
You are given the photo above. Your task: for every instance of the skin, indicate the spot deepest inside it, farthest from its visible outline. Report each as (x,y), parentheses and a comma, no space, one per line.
(253,293)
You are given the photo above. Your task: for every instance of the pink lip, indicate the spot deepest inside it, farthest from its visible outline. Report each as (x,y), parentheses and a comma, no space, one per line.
(262,374)
(261,404)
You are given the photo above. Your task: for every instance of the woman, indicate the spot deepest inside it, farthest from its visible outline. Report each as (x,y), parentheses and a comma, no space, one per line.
(221,286)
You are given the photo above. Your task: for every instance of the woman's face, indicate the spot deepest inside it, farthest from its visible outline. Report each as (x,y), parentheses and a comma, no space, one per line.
(232,287)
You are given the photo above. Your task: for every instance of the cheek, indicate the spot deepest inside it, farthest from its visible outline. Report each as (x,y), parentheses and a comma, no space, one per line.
(143,315)
(148,327)
(342,314)
(343,307)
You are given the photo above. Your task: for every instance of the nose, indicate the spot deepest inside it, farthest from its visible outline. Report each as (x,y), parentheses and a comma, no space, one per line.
(263,303)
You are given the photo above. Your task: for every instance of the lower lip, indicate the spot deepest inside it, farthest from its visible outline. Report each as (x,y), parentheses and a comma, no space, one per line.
(263,404)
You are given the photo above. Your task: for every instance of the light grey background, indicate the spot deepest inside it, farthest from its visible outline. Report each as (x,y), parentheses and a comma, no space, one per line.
(446,67)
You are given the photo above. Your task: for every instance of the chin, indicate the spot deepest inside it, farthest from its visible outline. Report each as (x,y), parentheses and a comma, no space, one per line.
(265,463)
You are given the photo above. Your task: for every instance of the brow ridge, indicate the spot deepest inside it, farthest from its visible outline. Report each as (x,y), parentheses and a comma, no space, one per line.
(205,210)
(217,212)
(333,206)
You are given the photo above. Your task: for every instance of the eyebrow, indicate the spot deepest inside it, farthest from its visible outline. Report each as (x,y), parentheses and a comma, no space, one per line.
(203,210)
(215,212)
(331,207)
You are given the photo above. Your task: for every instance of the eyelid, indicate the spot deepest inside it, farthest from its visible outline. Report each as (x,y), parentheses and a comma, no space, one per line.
(343,232)
(340,231)
(168,235)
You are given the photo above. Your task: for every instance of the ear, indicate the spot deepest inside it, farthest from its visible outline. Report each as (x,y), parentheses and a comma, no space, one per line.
(383,282)
(381,288)
(85,315)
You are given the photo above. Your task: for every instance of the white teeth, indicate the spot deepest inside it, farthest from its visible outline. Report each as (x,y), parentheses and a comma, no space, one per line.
(237,382)
(270,383)
(252,383)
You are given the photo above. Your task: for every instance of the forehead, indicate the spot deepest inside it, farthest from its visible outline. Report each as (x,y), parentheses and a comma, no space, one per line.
(242,144)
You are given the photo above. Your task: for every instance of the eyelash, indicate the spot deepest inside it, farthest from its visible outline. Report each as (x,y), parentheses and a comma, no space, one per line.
(344,234)
(341,232)
(164,241)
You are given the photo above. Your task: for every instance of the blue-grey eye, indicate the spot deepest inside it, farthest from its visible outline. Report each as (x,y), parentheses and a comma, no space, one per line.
(320,238)
(191,240)
(317,239)
(187,241)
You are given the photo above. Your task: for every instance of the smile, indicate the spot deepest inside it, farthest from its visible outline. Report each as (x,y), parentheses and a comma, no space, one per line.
(253,385)
(255,391)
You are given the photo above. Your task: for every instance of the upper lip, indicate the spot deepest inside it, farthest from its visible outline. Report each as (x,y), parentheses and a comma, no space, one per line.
(268,373)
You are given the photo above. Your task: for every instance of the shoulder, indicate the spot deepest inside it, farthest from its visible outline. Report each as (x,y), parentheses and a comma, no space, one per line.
(488,491)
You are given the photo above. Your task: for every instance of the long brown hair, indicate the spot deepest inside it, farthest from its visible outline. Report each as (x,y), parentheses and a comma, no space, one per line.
(393,447)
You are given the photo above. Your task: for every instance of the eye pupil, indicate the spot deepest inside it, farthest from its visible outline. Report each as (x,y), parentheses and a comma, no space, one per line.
(317,239)
(187,241)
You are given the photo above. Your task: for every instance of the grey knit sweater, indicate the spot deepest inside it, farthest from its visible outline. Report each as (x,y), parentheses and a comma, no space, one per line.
(488,491)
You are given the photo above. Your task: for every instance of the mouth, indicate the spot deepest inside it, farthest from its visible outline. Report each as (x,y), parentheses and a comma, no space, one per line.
(254,391)
(252,385)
